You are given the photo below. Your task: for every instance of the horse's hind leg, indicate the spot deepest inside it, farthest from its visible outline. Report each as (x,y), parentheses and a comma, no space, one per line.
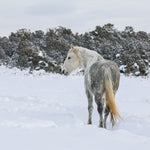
(90,106)
(106,113)
(100,106)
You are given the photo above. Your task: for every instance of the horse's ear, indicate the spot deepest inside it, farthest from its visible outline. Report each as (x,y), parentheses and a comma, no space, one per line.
(75,50)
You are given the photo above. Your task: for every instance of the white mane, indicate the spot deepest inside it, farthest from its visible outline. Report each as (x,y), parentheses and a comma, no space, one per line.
(88,57)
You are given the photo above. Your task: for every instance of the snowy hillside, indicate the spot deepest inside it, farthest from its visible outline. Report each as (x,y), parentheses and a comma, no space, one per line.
(49,112)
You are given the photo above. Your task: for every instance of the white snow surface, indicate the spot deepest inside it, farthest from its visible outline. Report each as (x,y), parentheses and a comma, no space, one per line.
(43,111)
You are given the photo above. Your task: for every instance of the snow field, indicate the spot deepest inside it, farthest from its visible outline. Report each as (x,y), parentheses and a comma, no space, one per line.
(43,111)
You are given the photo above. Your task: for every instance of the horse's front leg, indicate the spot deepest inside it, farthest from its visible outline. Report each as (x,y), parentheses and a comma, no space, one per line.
(90,106)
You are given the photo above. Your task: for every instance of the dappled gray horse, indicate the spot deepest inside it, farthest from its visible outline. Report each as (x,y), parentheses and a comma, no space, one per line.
(101,81)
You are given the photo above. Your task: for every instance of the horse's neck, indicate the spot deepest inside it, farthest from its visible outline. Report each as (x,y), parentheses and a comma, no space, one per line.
(88,58)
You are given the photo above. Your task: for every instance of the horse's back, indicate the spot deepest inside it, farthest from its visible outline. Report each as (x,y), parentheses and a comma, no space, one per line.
(99,72)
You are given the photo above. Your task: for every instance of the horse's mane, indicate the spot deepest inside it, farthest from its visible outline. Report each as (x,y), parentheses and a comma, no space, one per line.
(88,51)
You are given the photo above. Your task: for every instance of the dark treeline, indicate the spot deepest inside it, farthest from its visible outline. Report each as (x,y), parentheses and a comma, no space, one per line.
(38,50)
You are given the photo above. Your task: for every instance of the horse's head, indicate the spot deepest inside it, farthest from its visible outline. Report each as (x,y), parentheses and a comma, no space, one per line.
(72,61)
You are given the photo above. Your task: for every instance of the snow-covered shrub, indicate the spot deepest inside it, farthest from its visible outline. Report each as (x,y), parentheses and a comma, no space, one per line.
(47,51)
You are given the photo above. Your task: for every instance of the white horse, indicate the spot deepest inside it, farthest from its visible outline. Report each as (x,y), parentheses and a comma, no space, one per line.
(101,81)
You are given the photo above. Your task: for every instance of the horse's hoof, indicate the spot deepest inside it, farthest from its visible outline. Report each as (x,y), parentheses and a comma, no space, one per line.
(89,122)
(101,126)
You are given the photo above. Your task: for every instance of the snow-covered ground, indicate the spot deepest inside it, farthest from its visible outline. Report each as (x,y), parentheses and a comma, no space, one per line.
(49,112)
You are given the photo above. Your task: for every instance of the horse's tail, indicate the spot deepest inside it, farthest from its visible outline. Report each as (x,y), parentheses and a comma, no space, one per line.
(109,95)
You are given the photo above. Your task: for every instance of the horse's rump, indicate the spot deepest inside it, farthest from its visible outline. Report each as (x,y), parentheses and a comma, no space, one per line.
(105,78)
